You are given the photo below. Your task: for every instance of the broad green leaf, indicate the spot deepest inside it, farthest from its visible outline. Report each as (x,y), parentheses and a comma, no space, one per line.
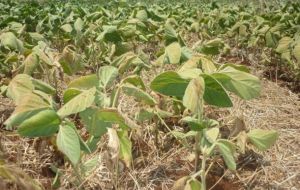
(262,139)
(110,34)
(84,82)
(194,124)
(170,34)
(18,87)
(78,25)
(44,123)
(107,74)
(170,84)
(243,84)
(194,94)
(214,93)
(9,40)
(135,80)
(67,142)
(94,123)
(30,63)
(173,52)
(70,93)
(125,147)
(30,105)
(78,103)
(227,150)
(145,114)
(42,86)
(139,94)
(67,28)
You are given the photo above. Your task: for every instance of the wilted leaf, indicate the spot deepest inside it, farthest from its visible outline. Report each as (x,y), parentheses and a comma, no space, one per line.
(243,84)
(173,52)
(194,94)
(262,139)
(139,94)
(227,150)
(107,74)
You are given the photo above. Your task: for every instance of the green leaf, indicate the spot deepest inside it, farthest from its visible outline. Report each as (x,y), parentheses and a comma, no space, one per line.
(42,86)
(214,93)
(262,139)
(135,80)
(111,34)
(194,124)
(296,52)
(173,51)
(139,94)
(194,94)
(170,34)
(70,93)
(84,82)
(78,25)
(125,147)
(78,103)
(44,123)
(94,123)
(30,105)
(243,84)
(107,74)
(67,142)
(18,87)
(170,84)
(193,184)
(227,150)
(70,61)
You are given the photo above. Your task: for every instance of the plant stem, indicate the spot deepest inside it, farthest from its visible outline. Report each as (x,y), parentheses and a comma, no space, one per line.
(197,151)
(203,174)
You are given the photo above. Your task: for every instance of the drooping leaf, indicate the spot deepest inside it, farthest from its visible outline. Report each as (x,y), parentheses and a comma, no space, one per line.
(139,94)
(194,94)
(284,44)
(135,80)
(243,84)
(78,103)
(262,139)
(94,123)
(67,142)
(19,87)
(30,63)
(227,150)
(125,147)
(44,123)
(173,51)
(170,84)
(84,82)
(9,40)
(212,134)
